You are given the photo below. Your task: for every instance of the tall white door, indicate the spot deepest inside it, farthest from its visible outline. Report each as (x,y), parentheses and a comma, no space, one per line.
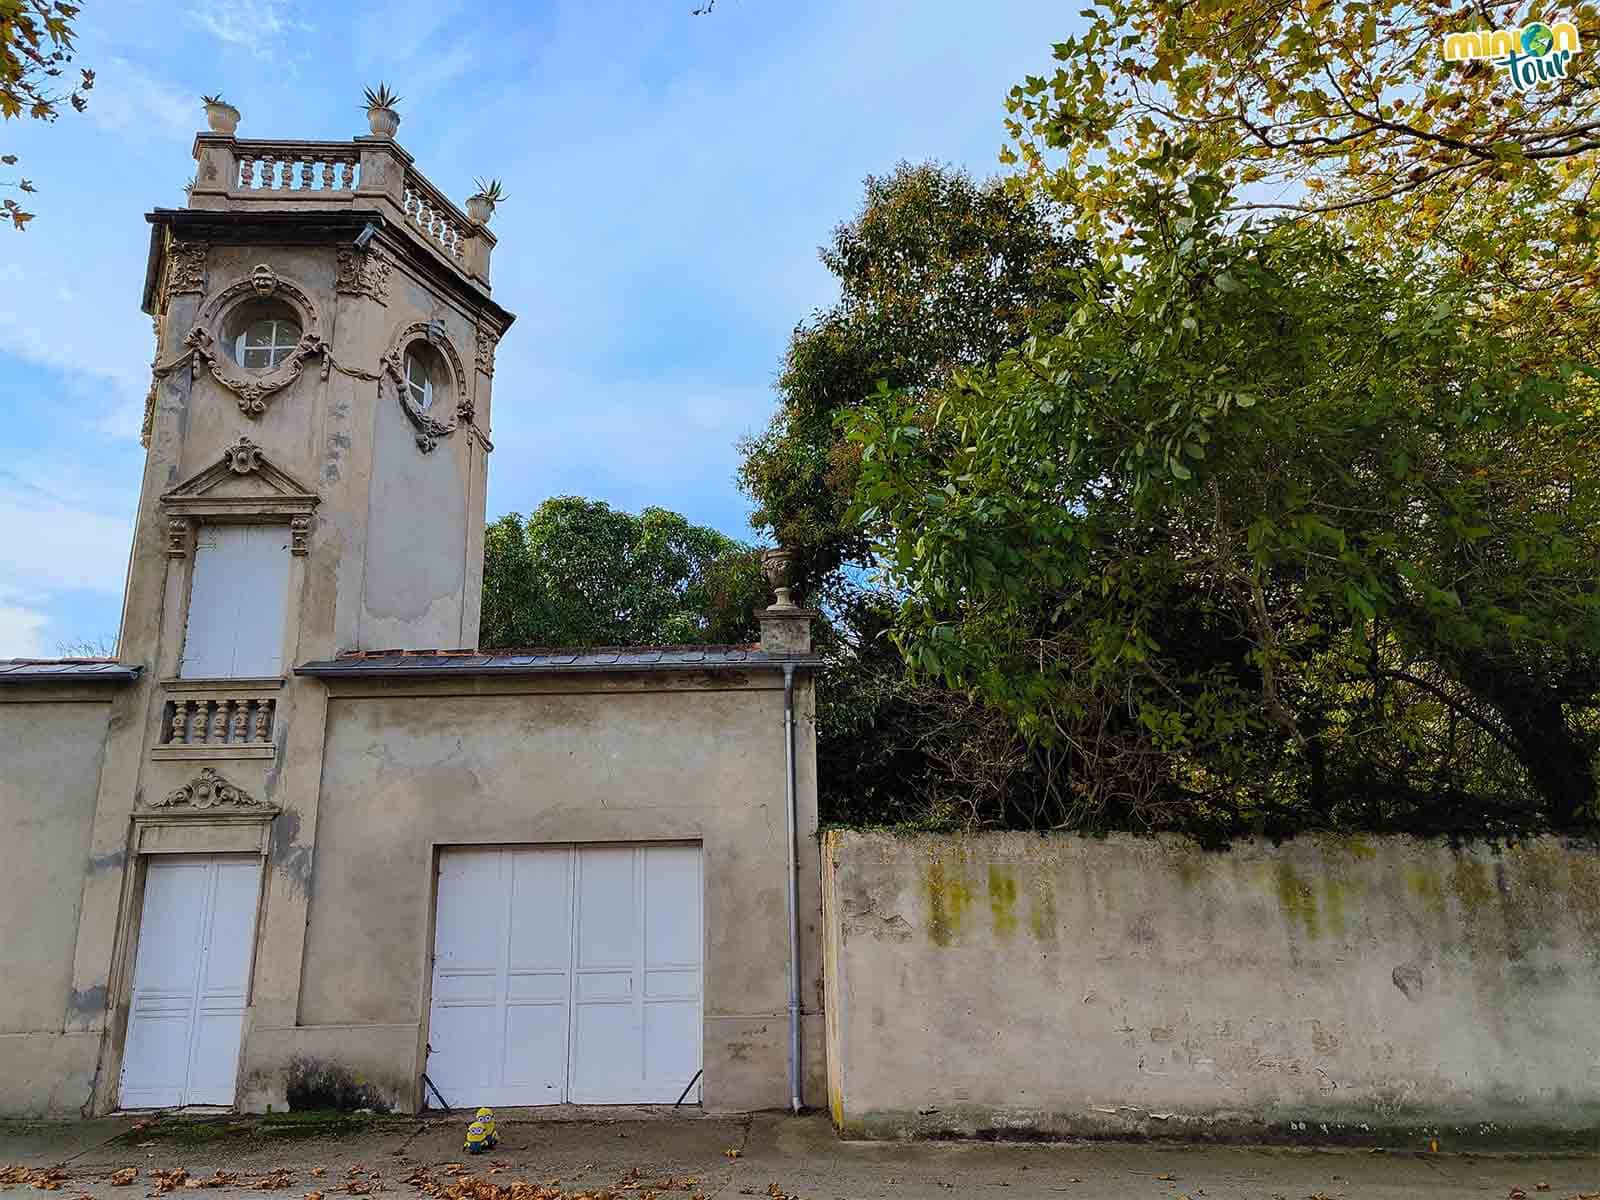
(190,982)
(236,602)
(568,973)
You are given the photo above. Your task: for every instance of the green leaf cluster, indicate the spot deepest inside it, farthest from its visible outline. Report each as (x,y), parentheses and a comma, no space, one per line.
(1262,534)
(577,572)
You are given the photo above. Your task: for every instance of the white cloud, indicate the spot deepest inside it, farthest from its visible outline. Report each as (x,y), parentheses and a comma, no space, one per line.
(20,629)
(130,100)
(253,23)
(74,548)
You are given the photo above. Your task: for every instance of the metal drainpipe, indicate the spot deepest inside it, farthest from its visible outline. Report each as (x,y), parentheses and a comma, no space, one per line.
(794,890)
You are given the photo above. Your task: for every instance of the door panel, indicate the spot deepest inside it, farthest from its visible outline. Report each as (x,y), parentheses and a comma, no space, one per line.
(566,973)
(497,1030)
(637,1031)
(236,602)
(191,982)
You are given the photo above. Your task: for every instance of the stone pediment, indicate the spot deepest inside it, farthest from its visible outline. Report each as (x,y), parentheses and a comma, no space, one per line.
(240,486)
(241,480)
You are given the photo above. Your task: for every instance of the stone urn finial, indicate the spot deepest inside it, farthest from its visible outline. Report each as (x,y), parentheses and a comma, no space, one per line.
(383,113)
(481,204)
(221,116)
(779,566)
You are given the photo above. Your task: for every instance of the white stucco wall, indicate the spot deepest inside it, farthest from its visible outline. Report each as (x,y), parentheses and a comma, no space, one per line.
(1365,988)
(50,757)
(410,767)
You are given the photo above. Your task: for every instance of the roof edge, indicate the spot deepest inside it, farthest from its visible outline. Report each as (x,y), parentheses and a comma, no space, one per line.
(19,671)
(443,667)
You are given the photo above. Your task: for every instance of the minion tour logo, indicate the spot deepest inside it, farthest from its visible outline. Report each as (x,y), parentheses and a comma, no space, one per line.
(1537,53)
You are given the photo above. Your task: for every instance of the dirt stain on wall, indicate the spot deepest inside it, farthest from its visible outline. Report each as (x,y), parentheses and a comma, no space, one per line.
(948,896)
(1042,912)
(1003,901)
(1297,900)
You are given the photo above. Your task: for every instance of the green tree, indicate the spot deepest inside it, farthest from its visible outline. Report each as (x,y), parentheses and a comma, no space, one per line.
(577,572)
(936,272)
(1262,534)
(36,44)
(1345,112)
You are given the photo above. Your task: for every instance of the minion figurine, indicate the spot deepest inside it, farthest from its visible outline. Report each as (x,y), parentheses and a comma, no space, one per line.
(481,1133)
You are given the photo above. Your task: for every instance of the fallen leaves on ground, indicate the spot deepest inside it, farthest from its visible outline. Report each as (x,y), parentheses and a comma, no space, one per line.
(732,1153)
(319,1172)
(279,1177)
(124,1177)
(46,1179)
(313,1196)
(167,1180)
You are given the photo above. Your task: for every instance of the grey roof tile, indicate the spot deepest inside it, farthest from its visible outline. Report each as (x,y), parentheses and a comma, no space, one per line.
(66,670)
(550,661)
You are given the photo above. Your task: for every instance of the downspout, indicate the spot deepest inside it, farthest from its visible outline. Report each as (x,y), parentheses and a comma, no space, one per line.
(794,890)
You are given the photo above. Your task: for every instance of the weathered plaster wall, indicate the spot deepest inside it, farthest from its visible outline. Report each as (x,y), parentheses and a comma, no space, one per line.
(1375,989)
(50,757)
(410,767)
(416,539)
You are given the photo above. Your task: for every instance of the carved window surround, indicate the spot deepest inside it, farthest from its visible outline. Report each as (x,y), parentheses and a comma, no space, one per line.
(255,389)
(429,429)
(281,496)
(208,814)
(208,719)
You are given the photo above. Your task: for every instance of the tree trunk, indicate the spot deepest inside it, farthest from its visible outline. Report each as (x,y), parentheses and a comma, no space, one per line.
(1558,760)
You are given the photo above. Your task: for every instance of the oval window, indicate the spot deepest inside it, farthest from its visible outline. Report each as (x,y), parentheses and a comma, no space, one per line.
(425,374)
(261,336)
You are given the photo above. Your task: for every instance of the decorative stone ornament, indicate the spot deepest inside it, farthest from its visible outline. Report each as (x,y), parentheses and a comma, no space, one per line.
(363,274)
(221,116)
(180,535)
(429,428)
(264,279)
(256,389)
(186,269)
(488,339)
(206,790)
(277,496)
(785,626)
(243,457)
(778,563)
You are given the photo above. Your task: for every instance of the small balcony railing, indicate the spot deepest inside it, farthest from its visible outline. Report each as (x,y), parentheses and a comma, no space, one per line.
(218,723)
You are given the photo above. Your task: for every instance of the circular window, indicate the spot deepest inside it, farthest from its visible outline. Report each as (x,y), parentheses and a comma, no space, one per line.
(262,334)
(425,374)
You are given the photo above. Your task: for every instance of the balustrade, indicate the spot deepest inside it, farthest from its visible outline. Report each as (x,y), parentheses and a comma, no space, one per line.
(434,217)
(298,167)
(218,721)
(366,173)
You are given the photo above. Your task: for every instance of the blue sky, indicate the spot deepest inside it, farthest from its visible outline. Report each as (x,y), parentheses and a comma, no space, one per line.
(670,179)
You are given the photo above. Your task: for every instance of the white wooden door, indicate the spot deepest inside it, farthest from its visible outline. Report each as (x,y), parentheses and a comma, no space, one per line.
(236,602)
(568,973)
(497,1029)
(191,981)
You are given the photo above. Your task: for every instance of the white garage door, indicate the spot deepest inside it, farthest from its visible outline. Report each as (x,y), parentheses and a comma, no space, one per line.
(190,982)
(566,974)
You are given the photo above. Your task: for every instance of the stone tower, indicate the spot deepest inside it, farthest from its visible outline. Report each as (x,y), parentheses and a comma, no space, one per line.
(317,433)
(325,358)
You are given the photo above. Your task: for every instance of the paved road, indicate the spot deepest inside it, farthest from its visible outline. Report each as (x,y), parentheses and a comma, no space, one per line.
(630,1157)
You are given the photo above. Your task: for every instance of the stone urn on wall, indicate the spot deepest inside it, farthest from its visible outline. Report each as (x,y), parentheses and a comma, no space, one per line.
(382,116)
(778,563)
(221,116)
(481,204)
